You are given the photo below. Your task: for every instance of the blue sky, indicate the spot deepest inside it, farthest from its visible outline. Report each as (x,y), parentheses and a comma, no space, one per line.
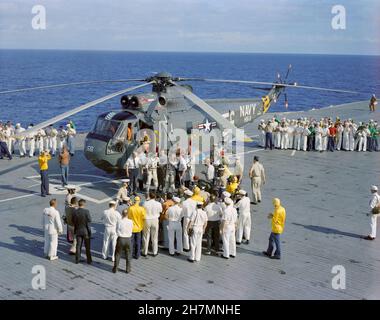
(280,26)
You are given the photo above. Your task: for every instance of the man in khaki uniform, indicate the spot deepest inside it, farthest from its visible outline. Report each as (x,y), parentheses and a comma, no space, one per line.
(257,175)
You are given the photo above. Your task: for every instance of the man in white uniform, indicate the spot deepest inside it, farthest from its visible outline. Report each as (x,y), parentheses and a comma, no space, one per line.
(62,135)
(374,206)
(110,218)
(52,225)
(318,138)
(244,222)
(20,140)
(261,129)
(188,206)
(52,137)
(257,175)
(228,228)
(197,226)
(152,164)
(30,142)
(153,210)
(71,133)
(305,135)
(175,228)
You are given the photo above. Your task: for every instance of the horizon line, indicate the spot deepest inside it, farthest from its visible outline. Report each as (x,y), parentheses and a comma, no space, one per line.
(195,52)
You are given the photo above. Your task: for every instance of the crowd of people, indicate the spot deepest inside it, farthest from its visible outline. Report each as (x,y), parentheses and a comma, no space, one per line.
(175,220)
(33,144)
(324,135)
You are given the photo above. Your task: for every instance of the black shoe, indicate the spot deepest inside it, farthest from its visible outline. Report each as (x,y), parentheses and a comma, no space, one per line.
(48,194)
(238,243)
(155,255)
(186,250)
(43,195)
(89,262)
(266,254)
(143,255)
(225,257)
(255,203)
(190,260)
(232,256)
(369,238)
(247,242)
(114,269)
(276,257)
(177,254)
(259,201)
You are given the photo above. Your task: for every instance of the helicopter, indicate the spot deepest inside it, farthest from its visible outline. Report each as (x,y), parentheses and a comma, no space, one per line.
(170,105)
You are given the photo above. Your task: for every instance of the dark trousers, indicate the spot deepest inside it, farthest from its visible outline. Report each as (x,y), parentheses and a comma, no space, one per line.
(87,244)
(274,240)
(161,175)
(4,150)
(136,244)
(213,235)
(310,143)
(268,140)
(123,245)
(133,173)
(331,144)
(44,182)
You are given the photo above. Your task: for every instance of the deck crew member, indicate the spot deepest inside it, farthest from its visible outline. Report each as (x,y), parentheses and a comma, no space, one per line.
(43,160)
(228,229)
(268,136)
(52,137)
(20,140)
(40,136)
(30,141)
(339,136)
(152,165)
(175,228)
(214,212)
(372,103)
(210,171)
(374,206)
(132,170)
(261,129)
(110,218)
(52,228)
(257,175)
(9,136)
(137,214)
(188,207)
(161,170)
(243,206)
(122,195)
(164,219)
(318,138)
(298,130)
(331,138)
(278,223)
(196,228)
(305,136)
(64,162)
(124,229)
(153,210)
(71,133)
(171,170)
(82,230)
(61,138)
(346,137)
(4,147)
(70,210)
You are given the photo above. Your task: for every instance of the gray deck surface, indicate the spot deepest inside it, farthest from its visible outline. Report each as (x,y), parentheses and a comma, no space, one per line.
(325,194)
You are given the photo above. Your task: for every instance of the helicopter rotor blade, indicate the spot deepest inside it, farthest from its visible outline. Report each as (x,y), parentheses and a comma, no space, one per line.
(61,85)
(80,108)
(206,108)
(285,85)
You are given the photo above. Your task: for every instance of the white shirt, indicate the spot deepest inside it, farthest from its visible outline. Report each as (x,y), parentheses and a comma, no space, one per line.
(210,172)
(229,216)
(375,201)
(182,165)
(111,217)
(175,213)
(199,218)
(213,211)
(124,228)
(188,207)
(51,221)
(122,194)
(132,163)
(153,209)
(244,205)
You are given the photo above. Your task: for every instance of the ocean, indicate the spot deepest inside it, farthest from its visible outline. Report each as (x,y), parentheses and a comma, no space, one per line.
(27,68)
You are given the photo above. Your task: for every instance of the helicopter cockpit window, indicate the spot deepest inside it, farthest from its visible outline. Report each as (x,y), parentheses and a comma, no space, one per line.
(106,128)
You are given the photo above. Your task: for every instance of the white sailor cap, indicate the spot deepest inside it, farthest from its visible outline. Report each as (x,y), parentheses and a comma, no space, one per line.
(228,201)
(374,188)
(199,203)
(188,192)
(18,125)
(262,120)
(125,180)
(112,202)
(242,192)
(176,199)
(68,125)
(226,194)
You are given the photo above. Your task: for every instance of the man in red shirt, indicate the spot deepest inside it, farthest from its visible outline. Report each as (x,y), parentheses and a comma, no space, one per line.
(331,141)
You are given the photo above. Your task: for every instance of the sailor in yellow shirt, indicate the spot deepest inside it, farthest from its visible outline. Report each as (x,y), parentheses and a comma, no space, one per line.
(278,218)
(137,214)
(43,160)
(233,185)
(197,195)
